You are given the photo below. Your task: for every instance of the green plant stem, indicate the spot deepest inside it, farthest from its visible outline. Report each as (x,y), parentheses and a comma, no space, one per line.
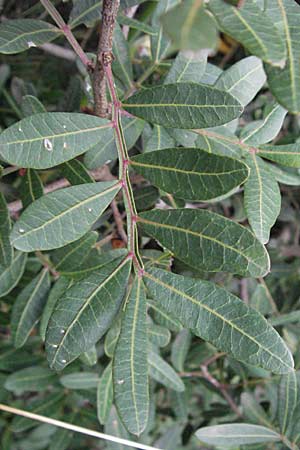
(123,172)
(50,8)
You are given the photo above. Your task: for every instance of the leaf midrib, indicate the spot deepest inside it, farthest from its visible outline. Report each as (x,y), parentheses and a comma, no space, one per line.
(56,136)
(50,30)
(67,211)
(186,172)
(84,306)
(199,235)
(211,311)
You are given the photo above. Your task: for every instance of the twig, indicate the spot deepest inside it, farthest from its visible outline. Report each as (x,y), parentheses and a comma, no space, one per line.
(77,429)
(67,32)
(104,55)
(119,221)
(207,375)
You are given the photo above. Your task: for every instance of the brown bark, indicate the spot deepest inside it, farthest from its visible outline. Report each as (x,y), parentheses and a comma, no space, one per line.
(104,55)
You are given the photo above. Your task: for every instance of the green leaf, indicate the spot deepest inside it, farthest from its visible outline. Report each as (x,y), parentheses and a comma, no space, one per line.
(90,357)
(220,318)
(62,438)
(158,335)
(180,348)
(11,275)
(31,105)
(94,261)
(163,373)
(145,197)
(19,35)
(28,307)
(135,24)
(159,139)
(61,285)
(262,199)
(287,155)
(112,337)
(80,380)
(236,434)
(191,174)
(68,258)
(76,173)
(287,399)
(6,250)
(211,74)
(190,27)
(243,79)
(187,67)
(121,66)
(291,177)
(162,317)
(114,427)
(267,129)
(62,216)
(184,105)
(253,411)
(160,44)
(84,313)
(31,187)
(284,82)
(86,12)
(48,406)
(130,368)
(249,25)
(207,241)
(260,300)
(220,142)
(48,139)
(30,379)
(105,395)
(106,151)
